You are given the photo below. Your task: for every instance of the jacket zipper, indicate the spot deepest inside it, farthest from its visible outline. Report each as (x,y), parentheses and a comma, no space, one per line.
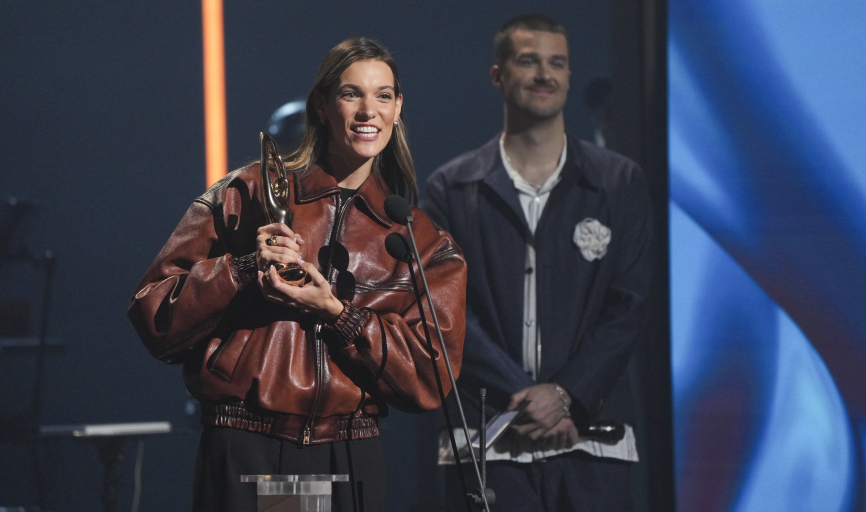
(318,345)
(317,339)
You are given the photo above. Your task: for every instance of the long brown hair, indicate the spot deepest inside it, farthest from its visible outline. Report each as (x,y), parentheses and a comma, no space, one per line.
(394,164)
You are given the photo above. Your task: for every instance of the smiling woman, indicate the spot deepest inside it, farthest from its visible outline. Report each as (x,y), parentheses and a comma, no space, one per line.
(353,93)
(360,111)
(279,367)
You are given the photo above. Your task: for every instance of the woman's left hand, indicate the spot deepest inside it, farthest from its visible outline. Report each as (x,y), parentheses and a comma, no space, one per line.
(314,295)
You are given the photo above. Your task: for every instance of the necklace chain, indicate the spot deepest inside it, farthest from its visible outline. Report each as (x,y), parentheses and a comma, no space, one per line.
(533,185)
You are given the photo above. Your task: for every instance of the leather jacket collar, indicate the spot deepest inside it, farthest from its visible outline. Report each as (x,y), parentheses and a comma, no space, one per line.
(316,183)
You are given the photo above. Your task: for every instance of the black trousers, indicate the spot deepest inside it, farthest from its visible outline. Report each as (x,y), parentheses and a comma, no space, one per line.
(573,481)
(224,454)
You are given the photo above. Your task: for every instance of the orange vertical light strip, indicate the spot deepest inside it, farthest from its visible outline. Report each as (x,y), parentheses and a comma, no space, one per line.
(216,150)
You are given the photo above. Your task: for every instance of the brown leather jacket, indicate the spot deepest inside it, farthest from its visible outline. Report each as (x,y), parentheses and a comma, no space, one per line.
(262,367)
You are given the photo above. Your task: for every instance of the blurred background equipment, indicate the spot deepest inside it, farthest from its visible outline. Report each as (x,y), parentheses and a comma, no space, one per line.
(597,97)
(287,125)
(21,354)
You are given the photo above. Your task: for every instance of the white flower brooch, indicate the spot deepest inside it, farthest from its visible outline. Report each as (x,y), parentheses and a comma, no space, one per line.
(592,237)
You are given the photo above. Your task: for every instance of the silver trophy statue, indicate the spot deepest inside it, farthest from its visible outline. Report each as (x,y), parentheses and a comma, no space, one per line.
(275,203)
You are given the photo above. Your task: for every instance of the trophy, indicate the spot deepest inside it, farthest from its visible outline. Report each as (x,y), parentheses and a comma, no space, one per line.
(275,203)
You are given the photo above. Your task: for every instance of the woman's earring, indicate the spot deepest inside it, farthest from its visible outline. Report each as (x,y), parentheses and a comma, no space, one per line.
(396,122)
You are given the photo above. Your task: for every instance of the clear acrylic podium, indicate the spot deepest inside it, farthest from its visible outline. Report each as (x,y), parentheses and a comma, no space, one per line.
(294,493)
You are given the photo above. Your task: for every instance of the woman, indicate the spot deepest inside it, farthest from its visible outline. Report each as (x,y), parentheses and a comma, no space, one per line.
(292,379)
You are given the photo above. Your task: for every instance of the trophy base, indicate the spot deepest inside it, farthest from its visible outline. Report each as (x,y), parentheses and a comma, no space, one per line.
(291,274)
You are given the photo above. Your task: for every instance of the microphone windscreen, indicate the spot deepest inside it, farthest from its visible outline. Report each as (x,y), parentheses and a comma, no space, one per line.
(398,247)
(398,210)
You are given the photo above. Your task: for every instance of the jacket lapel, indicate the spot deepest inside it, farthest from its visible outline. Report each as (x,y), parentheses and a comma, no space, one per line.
(491,172)
(316,183)
(500,183)
(373,192)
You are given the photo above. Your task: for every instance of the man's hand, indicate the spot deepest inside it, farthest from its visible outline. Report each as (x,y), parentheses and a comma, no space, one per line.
(547,408)
(563,435)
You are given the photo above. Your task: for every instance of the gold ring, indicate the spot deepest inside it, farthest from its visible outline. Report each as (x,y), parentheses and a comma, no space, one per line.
(272,240)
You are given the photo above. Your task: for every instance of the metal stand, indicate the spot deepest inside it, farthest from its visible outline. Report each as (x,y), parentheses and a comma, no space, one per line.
(109,440)
(294,493)
(15,219)
(485,496)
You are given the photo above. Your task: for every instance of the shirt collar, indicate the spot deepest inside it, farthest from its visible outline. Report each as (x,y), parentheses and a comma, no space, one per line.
(520,182)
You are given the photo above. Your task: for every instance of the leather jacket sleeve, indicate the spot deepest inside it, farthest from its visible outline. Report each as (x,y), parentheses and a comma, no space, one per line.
(168,309)
(392,345)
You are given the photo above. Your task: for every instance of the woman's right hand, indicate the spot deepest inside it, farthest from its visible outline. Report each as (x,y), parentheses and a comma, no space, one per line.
(276,243)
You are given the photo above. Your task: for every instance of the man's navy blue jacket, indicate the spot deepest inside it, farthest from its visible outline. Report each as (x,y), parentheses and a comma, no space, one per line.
(589,312)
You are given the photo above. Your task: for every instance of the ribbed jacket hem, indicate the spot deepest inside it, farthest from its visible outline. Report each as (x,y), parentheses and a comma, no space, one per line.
(290,426)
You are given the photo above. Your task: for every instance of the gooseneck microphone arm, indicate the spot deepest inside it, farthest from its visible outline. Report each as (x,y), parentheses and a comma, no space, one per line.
(399,211)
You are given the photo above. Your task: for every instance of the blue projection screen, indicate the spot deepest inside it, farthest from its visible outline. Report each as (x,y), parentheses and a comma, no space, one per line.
(767,151)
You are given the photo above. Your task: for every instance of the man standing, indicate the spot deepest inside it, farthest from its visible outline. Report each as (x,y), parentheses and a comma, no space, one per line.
(556,234)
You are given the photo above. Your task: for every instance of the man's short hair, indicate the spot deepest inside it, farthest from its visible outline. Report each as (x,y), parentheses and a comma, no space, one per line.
(503,46)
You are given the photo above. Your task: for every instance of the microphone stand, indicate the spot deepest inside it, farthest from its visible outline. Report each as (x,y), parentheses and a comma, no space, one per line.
(482,440)
(431,350)
(417,257)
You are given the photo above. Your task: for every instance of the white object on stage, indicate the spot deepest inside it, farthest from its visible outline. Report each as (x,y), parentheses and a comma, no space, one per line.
(294,493)
(107,429)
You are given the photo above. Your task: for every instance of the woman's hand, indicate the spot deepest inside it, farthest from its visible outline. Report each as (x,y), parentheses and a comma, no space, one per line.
(276,243)
(314,295)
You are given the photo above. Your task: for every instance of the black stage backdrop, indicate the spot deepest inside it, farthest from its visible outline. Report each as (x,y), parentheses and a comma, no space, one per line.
(101,126)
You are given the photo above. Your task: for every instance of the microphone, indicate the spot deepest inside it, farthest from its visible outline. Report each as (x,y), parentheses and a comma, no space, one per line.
(398,247)
(399,211)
